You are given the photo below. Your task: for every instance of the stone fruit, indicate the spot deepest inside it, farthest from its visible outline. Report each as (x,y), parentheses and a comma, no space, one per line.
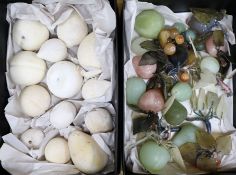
(149,23)
(179,39)
(144,72)
(53,50)
(62,115)
(152,100)
(186,134)
(176,113)
(173,32)
(29,34)
(95,88)
(87,52)
(73,30)
(180,27)
(135,87)
(98,120)
(32,138)
(190,34)
(64,79)
(169,49)
(57,151)
(164,37)
(135,46)
(210,64)
(85,153)
(182,91)
(153,157)
(27,69)
(34,100)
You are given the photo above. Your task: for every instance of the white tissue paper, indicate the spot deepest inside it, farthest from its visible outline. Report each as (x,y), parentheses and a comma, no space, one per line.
(15,157)
(132,8)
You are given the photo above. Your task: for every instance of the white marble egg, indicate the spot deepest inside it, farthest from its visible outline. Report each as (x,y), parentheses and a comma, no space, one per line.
(64,79)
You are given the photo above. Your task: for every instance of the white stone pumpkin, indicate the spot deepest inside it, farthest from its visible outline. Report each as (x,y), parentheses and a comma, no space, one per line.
(29,34)
(34,100)
(73,30)
(26,68)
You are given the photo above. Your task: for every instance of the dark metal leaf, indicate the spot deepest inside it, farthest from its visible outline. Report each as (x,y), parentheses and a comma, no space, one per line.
(147,59)
(205,140)
(205,15)
(226,56)
(189,152)
(202,38)
(207,163)
(154,82)
(151,57)
(142,124)
(218,38)
(152,45)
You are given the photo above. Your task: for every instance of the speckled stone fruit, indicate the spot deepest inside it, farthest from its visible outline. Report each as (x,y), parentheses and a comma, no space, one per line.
(152,100)
(144,72)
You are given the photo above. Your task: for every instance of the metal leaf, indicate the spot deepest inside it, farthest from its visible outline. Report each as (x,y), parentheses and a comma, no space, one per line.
(148,59)
(154,82)
(202,38)
(152,57)
(189,152)
(224,144)
(222,107)
(212,99)
(142,124)
(205,140)
(201,100)
(193,100)
(206,15)
(218,38)
(177,157)
(151,45)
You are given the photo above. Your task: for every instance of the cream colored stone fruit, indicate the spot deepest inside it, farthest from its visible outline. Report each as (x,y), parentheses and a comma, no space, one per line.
(32,138)
(29,34)
(98,120)
(62,115)
(64,79)
(34,100)
(73,30)
(53,50)
(27,69)
(85,153)
(87,52)
(57,150)
(95,88)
